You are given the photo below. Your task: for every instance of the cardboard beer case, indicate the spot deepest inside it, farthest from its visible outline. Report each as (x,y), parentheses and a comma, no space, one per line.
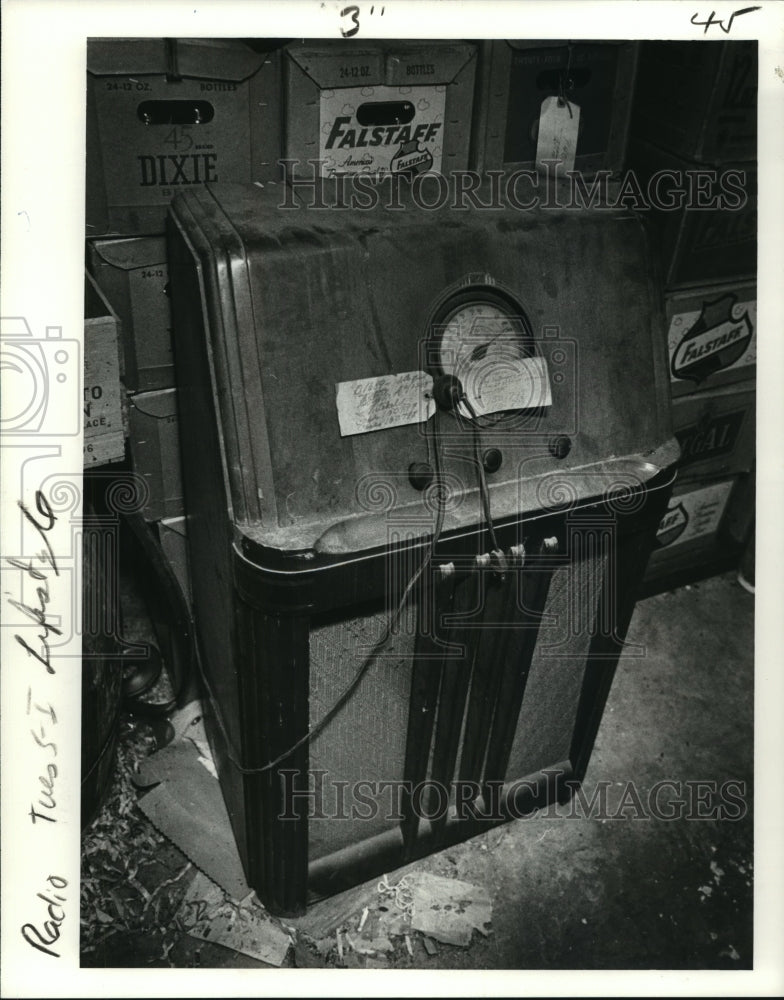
(155,451)
(711,336)
(172,534)
(716,431)
(698,99)
(133,274)
(104,416)
(378,107)
(695,539)
(705,216)
(164,114)
(519,76)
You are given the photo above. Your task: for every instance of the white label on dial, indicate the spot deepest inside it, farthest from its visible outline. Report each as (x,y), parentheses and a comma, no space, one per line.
(373,404)
(509,384)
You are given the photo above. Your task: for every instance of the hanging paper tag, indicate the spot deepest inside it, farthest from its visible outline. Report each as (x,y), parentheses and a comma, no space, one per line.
(372,404)
(521,384)
(559,121)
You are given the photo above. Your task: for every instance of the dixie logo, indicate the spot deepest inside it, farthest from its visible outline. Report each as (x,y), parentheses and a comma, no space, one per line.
(717,340)
(672,525)
(168,171)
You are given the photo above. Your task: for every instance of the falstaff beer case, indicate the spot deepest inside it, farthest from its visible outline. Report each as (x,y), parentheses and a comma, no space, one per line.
(425,456)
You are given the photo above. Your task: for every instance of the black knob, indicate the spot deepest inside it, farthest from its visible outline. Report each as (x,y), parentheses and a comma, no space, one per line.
(491,460)
(560,446)
(420,475)
(447,391)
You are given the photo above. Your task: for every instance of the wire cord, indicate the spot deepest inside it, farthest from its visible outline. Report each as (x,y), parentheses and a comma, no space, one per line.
(351,688)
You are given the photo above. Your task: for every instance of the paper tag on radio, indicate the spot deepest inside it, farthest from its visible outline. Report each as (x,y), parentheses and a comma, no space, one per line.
(559,122)
(518,384)
(373,404)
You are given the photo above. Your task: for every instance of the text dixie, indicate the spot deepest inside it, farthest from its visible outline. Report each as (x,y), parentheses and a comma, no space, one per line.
(168,170)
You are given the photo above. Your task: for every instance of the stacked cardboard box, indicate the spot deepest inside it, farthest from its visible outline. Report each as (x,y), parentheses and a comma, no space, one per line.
(592,82)
(694,117)
(104,412)
(161,114)
(378,108)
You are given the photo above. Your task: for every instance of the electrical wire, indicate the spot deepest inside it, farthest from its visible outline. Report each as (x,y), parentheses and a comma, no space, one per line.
(484,490)
(394,618)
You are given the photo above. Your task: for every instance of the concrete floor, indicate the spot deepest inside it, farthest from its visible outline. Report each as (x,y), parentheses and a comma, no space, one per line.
(621,888)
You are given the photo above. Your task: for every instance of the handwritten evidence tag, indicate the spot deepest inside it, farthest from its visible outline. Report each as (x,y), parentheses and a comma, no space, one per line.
(558,126)
(373,404)
(518,384)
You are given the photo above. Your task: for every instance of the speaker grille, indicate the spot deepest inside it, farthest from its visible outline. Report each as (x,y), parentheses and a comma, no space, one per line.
(547,716)
(366,741)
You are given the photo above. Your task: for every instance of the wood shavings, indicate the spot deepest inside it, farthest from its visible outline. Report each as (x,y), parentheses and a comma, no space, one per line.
(364,918)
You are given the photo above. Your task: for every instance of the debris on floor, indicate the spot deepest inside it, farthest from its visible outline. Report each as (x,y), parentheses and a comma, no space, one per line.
(208,913)
(187,806)
(447,909)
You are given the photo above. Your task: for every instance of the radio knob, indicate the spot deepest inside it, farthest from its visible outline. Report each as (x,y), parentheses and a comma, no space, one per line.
(420,475)
(491,460)
(560,446)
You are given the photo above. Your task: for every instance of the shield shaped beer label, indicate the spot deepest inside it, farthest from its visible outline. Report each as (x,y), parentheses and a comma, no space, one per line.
(719,339)
(693,515)
(411,160)
(672,525)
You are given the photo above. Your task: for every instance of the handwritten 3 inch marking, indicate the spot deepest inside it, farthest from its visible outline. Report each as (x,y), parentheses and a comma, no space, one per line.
(713,21)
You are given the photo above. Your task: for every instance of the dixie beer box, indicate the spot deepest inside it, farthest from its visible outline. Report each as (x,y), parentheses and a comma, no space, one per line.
(378,107)
(711,337)
(165,114)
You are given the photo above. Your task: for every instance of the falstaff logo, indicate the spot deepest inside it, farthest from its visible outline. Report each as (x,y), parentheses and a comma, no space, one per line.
(343,137)
(411,160)
(717,340)
(672,526)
